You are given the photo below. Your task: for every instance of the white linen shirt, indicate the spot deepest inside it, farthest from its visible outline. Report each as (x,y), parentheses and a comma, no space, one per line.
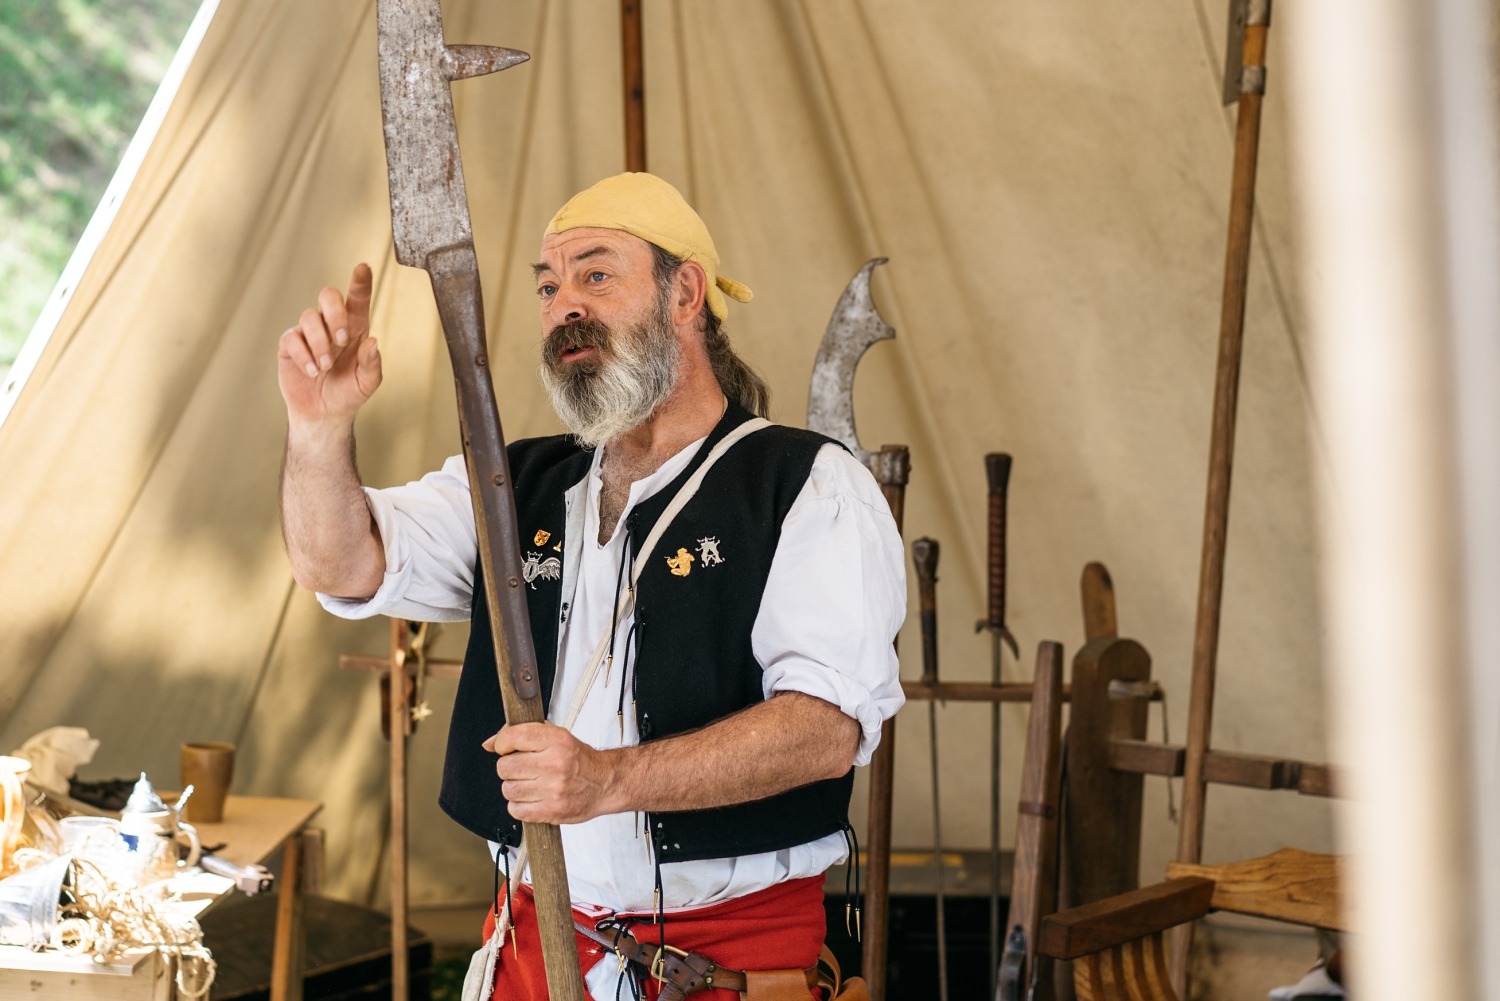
(834,600)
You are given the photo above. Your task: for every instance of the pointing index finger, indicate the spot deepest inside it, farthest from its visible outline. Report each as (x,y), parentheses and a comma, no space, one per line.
(357,301)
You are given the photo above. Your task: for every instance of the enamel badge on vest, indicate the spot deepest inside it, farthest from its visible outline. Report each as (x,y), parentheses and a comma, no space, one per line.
(708,552)
(682,564)
(535,566)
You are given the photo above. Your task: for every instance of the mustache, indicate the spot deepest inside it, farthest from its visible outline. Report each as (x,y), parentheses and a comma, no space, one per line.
(586,333)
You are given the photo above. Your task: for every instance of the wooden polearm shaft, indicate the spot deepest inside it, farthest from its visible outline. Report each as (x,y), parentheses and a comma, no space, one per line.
(432,230)
(455,285)
(892,468)
(1257,17)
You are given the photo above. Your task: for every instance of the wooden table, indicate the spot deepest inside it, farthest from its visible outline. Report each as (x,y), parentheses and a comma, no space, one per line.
(254,828)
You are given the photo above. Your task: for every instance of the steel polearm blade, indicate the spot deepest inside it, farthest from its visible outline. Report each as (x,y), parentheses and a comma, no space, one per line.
(854,326)
(1241,14)
(429,205)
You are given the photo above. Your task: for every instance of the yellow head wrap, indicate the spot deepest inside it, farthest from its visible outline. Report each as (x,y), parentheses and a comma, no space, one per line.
(644,205)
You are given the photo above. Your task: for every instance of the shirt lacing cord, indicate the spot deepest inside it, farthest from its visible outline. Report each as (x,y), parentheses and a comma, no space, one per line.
(502,858)
(614,618)
(621,925)
(851,891)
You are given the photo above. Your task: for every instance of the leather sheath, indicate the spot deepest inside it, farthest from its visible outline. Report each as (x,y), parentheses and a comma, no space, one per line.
(683,973)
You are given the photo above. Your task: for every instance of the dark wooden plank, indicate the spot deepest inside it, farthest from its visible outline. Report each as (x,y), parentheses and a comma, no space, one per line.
(1102,839)
(969,691)
(1317,780)
(1253,771)
(364,662)
(1098,589)
(1034,878)
(1145,757)
(290,943)
(1122,918)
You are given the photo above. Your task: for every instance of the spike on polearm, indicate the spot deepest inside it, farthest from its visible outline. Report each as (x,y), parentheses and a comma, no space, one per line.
(426,173)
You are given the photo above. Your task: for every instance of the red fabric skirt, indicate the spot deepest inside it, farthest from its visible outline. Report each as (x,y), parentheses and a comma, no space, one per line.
(778,928)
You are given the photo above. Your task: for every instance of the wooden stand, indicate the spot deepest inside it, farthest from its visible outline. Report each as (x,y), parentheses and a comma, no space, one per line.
(407,657)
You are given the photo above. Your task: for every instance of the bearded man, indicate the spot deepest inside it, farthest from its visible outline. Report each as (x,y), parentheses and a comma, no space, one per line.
(713,600)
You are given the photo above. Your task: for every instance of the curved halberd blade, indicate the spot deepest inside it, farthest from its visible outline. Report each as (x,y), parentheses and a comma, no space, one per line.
(854,326)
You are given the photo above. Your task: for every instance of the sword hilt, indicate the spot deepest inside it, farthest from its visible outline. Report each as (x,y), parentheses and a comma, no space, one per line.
(924,555)
(997,471)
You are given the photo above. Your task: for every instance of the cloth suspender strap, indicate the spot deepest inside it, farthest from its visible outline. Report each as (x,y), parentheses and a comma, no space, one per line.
(627,600)
(626,603)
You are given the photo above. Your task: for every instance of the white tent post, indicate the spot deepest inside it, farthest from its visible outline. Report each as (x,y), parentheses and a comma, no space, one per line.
(1394,127)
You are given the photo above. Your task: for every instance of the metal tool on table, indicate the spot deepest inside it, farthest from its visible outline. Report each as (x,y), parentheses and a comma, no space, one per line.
(1245,85)
(924,555)
(248,879)
(997,473)
(855,325)
(432,231)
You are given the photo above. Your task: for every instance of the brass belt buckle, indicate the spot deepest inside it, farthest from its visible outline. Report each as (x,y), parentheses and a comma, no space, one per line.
(659,961)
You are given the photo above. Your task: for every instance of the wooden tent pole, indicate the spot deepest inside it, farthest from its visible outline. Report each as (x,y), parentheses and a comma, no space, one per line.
(633,61)
(1257,14)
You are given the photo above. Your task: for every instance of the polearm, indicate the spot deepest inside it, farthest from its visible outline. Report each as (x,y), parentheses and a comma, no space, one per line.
(430,222)
(855,325)
(1244,83)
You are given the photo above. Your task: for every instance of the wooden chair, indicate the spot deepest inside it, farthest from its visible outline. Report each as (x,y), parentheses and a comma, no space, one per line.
(1117,943)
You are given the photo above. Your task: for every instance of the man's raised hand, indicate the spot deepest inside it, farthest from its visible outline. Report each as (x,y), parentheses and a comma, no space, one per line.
(328,365)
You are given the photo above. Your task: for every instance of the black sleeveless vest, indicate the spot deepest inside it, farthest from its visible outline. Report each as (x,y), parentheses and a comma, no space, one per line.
(696,603)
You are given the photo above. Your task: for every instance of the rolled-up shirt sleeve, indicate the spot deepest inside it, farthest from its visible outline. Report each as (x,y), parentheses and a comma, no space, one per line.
(836,597)
(427,528)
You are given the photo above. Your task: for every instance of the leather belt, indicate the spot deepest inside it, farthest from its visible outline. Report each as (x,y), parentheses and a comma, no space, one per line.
(682,973)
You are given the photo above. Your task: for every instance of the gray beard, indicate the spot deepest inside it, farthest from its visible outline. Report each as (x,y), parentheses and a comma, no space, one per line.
(599,401)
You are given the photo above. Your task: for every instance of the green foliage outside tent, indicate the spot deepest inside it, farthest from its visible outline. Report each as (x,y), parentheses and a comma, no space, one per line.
(75,78)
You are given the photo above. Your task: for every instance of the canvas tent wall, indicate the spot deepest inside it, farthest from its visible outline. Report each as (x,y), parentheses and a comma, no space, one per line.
(1049,181)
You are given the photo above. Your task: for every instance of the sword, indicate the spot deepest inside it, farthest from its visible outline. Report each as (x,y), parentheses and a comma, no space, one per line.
(997,471)
(432,231)
(924,556)
(855,325)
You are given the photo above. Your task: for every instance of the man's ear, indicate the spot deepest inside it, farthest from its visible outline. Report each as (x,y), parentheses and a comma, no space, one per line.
(689,286)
